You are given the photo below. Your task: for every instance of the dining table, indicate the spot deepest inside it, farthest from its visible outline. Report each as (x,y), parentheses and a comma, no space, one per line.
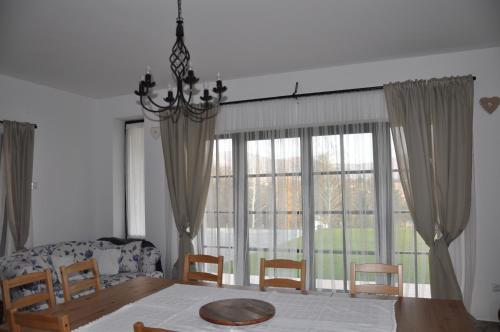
(150,294)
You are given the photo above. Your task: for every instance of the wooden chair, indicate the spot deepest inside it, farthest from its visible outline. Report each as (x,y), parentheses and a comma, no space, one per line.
(195,276)
(80,285)
(282,282)
(376,288)
(39,320)
(139,327)
(44,296)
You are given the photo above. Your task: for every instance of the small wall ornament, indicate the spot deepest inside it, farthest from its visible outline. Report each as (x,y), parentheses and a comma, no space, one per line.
(489,104)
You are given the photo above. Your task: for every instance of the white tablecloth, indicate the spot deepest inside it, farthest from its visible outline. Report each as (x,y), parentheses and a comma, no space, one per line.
(176,308)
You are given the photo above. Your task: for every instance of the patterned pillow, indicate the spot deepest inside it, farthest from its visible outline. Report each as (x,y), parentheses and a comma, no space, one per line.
(131,256)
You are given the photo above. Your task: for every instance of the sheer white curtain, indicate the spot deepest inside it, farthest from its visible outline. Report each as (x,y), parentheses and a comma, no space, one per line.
(135,180)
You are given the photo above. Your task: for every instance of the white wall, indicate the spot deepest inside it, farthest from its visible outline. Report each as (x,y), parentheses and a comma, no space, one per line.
(61,204)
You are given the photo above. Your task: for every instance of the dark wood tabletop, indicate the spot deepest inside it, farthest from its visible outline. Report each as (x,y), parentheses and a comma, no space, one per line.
(412,314)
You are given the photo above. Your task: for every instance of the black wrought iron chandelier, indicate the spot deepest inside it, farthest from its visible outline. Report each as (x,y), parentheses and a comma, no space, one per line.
(184,75)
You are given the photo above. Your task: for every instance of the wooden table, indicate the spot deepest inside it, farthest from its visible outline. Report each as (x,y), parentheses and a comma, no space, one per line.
(412,314)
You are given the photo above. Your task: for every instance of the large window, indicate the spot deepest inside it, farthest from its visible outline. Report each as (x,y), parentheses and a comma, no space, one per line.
(330,195)
(134,175)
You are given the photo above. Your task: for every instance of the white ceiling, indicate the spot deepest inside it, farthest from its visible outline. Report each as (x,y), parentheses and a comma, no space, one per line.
(99,48)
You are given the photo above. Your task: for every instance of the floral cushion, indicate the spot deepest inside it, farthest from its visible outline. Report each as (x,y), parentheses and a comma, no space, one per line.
(131,256)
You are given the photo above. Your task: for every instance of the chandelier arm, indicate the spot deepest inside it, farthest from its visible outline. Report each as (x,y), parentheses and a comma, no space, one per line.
(156,104)
(151,110)
(201,109)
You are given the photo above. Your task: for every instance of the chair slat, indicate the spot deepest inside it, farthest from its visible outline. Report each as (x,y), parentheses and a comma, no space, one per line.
(72,287)
(43,296)
(196,276)
(282,282)
(376,288)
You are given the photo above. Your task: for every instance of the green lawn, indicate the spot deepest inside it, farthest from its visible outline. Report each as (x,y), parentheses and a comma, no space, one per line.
(330,265)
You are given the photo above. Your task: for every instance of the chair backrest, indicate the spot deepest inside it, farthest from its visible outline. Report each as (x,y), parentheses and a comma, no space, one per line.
(79,285)
(39,320)
(139,327)
(282,282)
(190,259)
(376,288)
(46,295)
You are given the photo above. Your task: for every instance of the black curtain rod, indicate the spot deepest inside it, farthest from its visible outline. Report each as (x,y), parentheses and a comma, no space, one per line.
(310,94)
(1,121)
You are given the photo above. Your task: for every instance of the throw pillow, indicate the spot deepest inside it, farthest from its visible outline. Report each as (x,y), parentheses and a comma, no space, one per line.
(108,261)
(131,254)
(58,261)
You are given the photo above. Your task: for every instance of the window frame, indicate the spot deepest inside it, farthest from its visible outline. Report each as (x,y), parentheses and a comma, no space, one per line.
(125,174)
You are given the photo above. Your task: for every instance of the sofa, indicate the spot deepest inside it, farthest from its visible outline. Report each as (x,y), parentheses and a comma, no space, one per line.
(138,258)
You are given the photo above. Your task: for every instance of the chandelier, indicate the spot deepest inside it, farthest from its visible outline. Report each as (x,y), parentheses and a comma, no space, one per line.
(180,102)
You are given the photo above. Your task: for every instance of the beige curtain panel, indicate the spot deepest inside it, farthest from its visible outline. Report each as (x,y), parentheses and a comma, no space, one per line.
(431,123)
(17,149)
(187,150)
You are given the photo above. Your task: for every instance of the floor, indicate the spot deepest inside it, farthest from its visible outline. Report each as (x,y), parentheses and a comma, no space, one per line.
(483,326)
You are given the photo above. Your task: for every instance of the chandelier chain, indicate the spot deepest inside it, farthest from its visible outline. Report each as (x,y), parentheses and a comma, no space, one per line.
(179,9)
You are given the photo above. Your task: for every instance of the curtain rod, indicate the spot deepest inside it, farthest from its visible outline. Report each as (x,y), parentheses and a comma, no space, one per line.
(1,121)
(310,94)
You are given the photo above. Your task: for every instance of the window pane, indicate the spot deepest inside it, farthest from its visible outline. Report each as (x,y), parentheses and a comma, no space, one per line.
(260,194)
(287,155)
(225,147)
(398,195)
(288,235)
(210,230)
(359,192)
(327,192)
(358,152)
(225,194)
(260,242)
(288,193)
(259,157)
(326,153)
(211,204)
(226,229)
(328,248)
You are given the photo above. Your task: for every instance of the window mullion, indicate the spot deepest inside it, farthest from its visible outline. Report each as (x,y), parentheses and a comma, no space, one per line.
(217,230)
(241,269)
(307,207)
(273,174)
(342,184)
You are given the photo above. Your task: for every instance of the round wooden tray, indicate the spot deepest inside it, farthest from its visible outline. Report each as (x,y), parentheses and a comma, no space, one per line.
(237,312)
